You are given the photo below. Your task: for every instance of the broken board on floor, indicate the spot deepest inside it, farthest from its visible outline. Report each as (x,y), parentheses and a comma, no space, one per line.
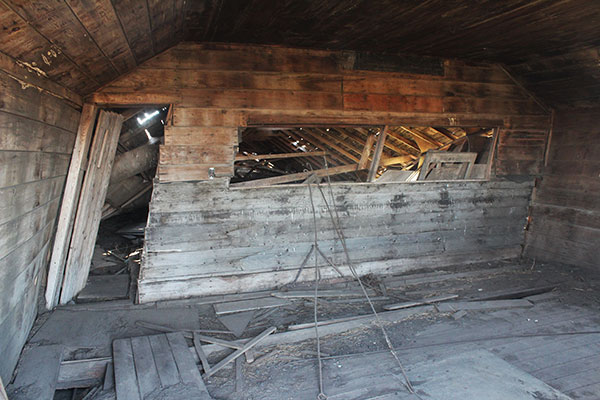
(156,367)
(37,374)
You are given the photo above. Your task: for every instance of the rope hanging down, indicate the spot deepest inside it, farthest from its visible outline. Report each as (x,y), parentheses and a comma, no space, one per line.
(321,395)
(335,219)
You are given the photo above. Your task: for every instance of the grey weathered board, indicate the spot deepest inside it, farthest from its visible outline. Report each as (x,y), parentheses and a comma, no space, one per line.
(37,374)
(104,287)
(157,366)
(252,239)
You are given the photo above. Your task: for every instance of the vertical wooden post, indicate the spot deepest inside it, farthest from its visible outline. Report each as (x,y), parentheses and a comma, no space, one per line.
(69,204)
(377,154)
(89,210)
(364,157)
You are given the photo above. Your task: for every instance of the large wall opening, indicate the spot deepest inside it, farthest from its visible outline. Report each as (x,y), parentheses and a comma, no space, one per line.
(273,155)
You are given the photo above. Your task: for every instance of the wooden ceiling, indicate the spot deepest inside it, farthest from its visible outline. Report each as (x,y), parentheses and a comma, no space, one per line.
(551,45)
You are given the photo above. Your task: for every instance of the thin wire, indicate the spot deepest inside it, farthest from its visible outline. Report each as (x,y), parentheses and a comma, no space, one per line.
(340,233)
(321,395)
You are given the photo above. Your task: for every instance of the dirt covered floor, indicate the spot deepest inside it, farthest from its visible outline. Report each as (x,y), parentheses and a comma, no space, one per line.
(536,324)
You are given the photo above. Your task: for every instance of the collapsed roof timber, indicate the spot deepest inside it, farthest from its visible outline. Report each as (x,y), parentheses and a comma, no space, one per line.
(299,200)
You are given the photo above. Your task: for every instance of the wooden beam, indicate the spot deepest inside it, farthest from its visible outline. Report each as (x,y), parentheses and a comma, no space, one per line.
(69,204)
(332,155)
(277,156)
(418,135)
(342,169)
(393,147)
(377,154)
(351,139)
(396,160)
(364,158)
(447,133)
(284,144)
(89,209)
(315,138)
(239,352)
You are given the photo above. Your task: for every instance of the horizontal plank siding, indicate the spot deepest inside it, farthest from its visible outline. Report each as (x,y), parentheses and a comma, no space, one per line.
(203,231)
(38,121)
(214,86)
(565,214)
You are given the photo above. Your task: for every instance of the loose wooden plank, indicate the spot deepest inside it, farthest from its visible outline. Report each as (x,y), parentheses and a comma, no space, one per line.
(38,373)
(364,157)
(126,384)
(201,354)
(299,294)
(93,193)
(185,363)
(483,305)
(248,305)
(109,377)
(145,368)
(377,154)
(409,304)
(342,169)
(3,394)
(163,358)
(247,346)
(69,204)
(241,157)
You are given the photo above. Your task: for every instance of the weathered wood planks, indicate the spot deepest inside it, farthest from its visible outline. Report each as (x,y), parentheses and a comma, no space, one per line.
(565,214)
(38,373)
(154,366)
(213,86)
(89,208)
(236,239)
(69,204)
(38,121)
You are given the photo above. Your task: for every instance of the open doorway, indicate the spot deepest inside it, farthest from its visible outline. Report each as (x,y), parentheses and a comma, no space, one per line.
(117,251)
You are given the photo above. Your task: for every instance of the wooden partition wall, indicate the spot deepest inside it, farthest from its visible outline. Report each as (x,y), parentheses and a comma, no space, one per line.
(566,207)
(217,88)
(38,125)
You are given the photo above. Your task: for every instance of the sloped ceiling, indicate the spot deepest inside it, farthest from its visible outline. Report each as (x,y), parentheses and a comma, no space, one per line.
(552,46)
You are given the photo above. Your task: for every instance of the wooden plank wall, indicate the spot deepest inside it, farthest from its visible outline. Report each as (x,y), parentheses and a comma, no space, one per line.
(203,238)
(216,88)
(38,123)
(565,217)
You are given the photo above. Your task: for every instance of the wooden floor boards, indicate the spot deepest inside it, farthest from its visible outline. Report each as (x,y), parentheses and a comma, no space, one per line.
(157,366)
